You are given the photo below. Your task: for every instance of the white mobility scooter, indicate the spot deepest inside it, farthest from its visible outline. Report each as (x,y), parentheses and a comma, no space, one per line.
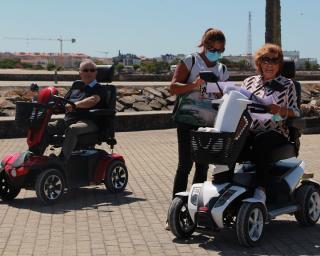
(217,205)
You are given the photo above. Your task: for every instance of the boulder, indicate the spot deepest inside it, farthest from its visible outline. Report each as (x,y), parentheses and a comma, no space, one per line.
(119,107)
(165,92)
(162,101)
(171,100)
(127,92)
(129,110)
(141,106)
(155,104)
(6,104)
(127,101)
(140,98)
(153,91)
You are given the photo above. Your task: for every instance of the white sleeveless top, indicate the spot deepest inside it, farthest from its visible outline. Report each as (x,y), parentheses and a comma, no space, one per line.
(220,70)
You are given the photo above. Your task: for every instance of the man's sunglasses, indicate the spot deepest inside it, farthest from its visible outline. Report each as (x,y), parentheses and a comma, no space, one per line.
(268,60)
(88,70)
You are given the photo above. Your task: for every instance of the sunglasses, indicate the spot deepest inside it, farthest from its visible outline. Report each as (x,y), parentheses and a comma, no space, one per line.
(88,70)
(268,60)
(215,50)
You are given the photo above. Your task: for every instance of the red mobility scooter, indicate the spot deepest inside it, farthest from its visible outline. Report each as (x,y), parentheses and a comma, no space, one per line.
(48,175)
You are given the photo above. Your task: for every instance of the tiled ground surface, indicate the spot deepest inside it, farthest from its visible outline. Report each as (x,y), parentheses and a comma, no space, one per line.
(91,221)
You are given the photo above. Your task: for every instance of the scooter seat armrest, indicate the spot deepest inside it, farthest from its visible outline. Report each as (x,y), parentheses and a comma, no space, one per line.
(102,112)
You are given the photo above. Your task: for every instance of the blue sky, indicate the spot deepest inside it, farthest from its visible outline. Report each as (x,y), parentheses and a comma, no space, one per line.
(153,27)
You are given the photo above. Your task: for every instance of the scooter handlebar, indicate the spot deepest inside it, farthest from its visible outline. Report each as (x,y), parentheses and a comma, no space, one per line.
(62,99)
(258,108)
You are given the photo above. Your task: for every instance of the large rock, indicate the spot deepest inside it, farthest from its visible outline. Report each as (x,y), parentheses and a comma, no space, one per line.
(171,100)
(155,104)
(141,106)
(6,104)
(153,91)
(127,92)
(127,101)
(129,110)
(165,92)
(140,98)
(119,107)
(162,101)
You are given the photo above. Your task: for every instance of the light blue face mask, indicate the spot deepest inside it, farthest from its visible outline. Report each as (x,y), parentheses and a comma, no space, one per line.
(276,118)
(213,56)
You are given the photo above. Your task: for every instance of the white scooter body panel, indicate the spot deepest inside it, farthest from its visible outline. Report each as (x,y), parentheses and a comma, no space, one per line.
(294,177)
(217,212)
(230,111)
(208,191)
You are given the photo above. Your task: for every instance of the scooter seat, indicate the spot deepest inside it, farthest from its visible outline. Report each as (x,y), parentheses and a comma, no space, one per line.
(247,179)
(282,152)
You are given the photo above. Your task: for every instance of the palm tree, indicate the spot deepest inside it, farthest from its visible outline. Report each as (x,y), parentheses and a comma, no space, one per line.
(273,22)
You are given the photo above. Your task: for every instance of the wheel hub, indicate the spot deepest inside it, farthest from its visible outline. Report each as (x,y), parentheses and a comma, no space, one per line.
(255,224)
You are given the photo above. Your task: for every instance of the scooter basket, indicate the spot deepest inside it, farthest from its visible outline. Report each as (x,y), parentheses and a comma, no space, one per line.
(29,113)
(217,148)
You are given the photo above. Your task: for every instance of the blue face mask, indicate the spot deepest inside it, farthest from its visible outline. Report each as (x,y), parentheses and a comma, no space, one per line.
(213,56)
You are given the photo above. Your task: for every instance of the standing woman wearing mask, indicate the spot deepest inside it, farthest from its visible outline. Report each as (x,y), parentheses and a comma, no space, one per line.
(186,82)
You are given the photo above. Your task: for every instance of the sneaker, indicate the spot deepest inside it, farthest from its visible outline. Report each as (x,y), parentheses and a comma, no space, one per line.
(260,194)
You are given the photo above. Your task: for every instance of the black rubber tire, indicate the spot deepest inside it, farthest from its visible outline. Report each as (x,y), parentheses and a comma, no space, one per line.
(243,225)
(8,192)
(180,222)
(47,178)
(116,178)
(306,196)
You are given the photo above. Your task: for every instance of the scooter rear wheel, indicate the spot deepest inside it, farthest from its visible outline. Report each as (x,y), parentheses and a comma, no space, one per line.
(7,191)
(116,178)
(180,222)
(50,186)
(308,198)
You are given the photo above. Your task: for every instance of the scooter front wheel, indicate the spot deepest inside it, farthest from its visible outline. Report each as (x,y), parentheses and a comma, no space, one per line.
(308,199)
(116,178)
(50,186)
(180,222)
(7,191)
(250,223)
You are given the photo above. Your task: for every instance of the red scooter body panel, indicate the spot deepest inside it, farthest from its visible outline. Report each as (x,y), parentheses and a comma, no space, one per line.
(35,135)
(105,161)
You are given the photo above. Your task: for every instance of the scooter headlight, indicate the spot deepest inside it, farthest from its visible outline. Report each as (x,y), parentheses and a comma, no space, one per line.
(195,195)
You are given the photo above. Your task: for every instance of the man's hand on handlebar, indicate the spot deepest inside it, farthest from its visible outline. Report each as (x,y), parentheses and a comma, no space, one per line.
(70,107)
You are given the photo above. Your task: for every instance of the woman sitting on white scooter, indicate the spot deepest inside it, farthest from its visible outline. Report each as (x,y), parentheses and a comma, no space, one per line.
(269,131)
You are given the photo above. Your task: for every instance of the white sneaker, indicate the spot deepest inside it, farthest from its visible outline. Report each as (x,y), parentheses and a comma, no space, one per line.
(260,194)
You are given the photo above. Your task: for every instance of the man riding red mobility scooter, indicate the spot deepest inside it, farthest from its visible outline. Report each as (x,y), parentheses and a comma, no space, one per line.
(48,175)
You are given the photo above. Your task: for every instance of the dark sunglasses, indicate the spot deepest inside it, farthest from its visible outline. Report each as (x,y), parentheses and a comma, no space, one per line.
(215,50)
(268,60)
(88,70)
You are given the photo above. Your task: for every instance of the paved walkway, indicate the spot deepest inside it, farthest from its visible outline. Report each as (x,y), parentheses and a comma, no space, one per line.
(91,221)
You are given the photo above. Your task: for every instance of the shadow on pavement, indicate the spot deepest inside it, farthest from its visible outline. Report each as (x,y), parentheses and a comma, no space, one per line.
(281,237)
(78,199)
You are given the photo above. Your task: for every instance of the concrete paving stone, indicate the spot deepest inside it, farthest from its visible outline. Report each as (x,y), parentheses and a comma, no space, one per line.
(90,221)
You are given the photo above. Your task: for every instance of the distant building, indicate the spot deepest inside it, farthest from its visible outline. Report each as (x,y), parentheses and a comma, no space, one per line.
(168,58)
(68,60)
(127,59)
(302,62)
